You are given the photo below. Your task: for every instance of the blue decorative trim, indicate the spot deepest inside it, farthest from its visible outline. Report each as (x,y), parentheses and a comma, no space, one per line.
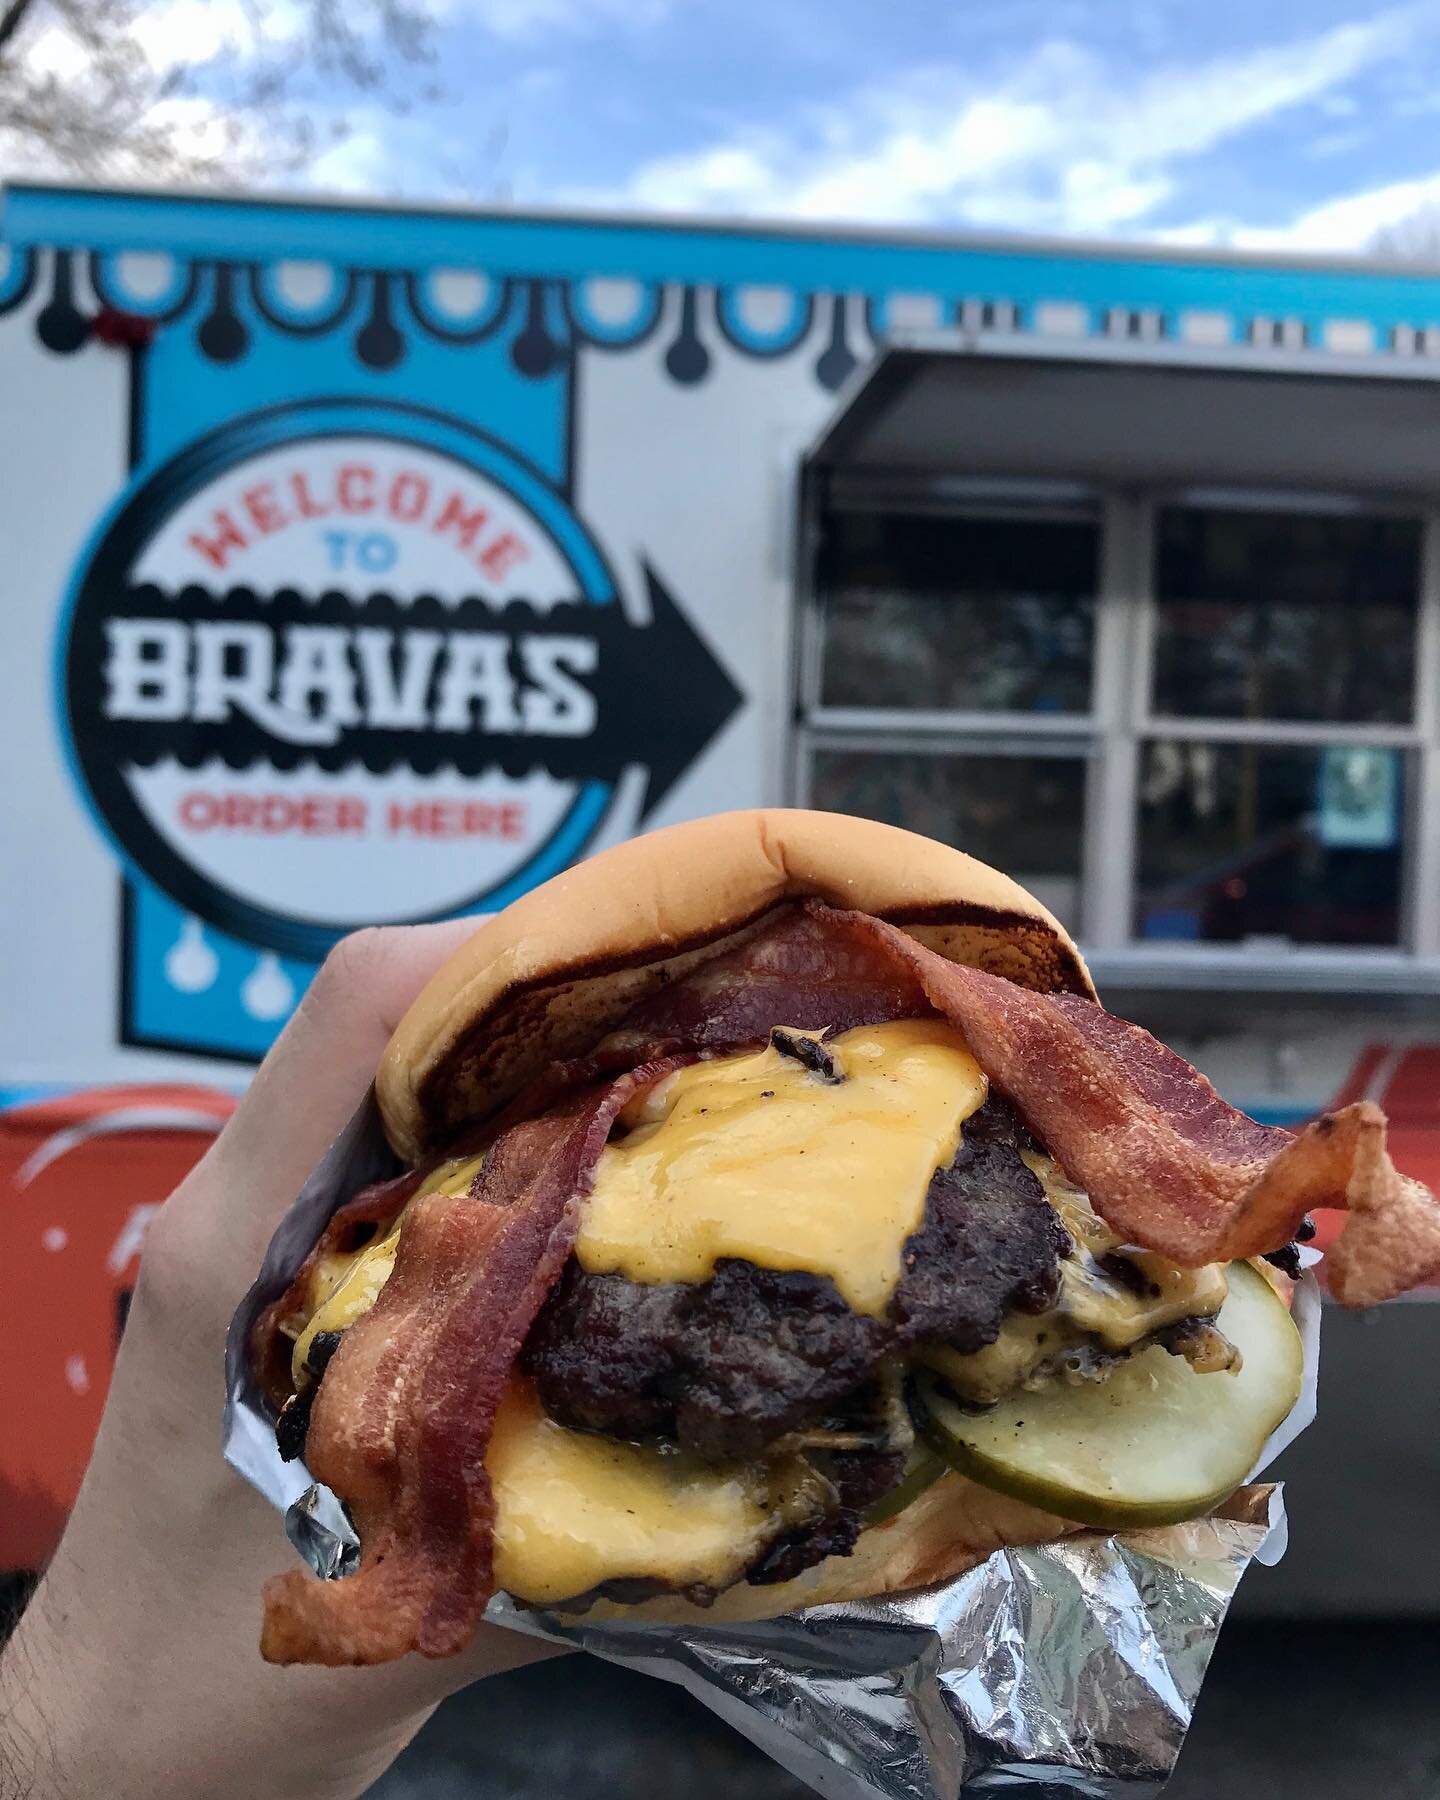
(605,335)
(745,338)
(302,321)
(110,289)
(19,279)
(486,319)
(843,285)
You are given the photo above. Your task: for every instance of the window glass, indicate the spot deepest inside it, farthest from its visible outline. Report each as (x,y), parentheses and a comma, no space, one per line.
(1285,615)
(947,612)
(1270,840)
(1025,814)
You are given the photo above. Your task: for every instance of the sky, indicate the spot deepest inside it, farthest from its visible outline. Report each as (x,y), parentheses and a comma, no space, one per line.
(1284,124)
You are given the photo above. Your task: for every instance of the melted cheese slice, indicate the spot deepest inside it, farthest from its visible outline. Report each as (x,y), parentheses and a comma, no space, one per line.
(757,1156)
(353,1288)
(574,1509)
(1117,1313)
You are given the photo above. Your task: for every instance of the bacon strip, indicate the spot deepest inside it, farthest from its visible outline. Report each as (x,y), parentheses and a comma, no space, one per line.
(402,1421)
(810,969)
(1164,1159)
(803,970)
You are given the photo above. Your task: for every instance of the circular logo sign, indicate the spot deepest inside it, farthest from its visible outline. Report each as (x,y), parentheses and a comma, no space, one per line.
(336,665)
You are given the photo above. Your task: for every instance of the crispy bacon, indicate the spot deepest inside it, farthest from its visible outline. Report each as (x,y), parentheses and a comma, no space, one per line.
(1163,1158)
(802,970)
(402,1421)
(810,969)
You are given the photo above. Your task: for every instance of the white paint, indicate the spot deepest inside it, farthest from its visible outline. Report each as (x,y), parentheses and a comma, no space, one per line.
(54,1237)
(302,553)
(77,1375)
(378,874)
(57,995)
(703,493)
(912,312)
(458,294)
(145,275)
(304,285)
(612,301)
(1349,337)
(1061,318)
(764,310)
(190,964)
(131,1239)
(1198,326)
(267,992)
(115,1122)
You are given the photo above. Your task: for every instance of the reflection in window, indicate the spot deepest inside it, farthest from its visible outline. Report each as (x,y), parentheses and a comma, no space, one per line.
(1025,814)
(1285,615)
(1270,840)
(948,612)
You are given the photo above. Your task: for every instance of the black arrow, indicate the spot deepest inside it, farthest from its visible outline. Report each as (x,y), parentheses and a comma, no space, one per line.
(667,692)
(659,695)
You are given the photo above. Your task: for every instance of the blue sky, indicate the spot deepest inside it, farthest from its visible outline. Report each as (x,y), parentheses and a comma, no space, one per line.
(1305,124)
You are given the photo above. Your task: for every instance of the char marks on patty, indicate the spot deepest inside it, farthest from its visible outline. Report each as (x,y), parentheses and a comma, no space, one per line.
(728,1366)
(724,1368)
(990,1241)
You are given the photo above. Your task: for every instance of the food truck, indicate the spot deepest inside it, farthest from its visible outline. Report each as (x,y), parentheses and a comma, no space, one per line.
(371,564)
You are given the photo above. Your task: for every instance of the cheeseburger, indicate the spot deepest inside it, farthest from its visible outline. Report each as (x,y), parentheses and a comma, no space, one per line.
(780,1220)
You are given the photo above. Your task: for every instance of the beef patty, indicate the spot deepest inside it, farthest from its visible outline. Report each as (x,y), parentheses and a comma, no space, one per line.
(727,1366)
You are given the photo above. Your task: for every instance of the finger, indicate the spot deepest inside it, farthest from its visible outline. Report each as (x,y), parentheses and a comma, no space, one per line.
(317,1073)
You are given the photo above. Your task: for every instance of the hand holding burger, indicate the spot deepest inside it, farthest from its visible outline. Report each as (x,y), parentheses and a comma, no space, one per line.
(781,1220)
(136,1654)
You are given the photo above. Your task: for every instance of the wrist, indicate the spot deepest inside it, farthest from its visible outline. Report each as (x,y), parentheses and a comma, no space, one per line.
(83,1717)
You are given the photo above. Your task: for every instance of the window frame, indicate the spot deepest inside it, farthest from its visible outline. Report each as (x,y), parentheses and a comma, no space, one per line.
(1418,742)
(1111,735)
(948,731)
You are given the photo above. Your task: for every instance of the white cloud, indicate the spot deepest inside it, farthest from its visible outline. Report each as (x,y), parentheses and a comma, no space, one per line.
(187,33)
(1351,222)
(1063,143)
(1406,211)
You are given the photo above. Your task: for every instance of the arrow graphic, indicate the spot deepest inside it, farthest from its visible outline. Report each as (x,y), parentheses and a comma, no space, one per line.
(285,679)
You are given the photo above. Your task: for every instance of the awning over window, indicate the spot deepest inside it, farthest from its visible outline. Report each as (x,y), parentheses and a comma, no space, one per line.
(1122,413)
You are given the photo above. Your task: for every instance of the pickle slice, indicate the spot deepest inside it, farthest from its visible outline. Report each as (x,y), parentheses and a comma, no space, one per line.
(922,1467)
(1153,1443)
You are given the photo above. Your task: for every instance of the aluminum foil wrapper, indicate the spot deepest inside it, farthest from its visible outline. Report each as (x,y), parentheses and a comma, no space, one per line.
(1066,1669)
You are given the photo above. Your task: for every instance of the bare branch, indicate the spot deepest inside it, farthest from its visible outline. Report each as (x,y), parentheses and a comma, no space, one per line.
(266,100)
(1415,238)
(12,18)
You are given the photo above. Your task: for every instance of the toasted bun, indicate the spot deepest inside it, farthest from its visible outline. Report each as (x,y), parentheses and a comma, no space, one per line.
(549,976)
(955,1525)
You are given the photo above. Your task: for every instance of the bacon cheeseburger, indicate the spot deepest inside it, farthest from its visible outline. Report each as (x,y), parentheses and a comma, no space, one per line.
(786,1222)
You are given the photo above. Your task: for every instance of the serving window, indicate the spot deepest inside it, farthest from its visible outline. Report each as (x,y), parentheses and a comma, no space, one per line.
(958,611)
(1192,722)
(1002,800)
(951,677)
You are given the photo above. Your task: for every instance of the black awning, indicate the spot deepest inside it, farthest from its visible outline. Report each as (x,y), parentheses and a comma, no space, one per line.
(1128,414)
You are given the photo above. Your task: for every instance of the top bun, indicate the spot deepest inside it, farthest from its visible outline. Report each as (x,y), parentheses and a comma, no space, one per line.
(549,976)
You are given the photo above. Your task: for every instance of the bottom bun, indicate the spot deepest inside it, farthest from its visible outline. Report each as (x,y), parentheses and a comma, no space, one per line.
(954,1526)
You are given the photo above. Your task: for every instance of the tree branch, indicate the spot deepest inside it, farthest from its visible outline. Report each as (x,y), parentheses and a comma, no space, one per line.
(12,18)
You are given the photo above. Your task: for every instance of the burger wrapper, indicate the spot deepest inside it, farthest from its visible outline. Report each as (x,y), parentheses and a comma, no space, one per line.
(1063,1669)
